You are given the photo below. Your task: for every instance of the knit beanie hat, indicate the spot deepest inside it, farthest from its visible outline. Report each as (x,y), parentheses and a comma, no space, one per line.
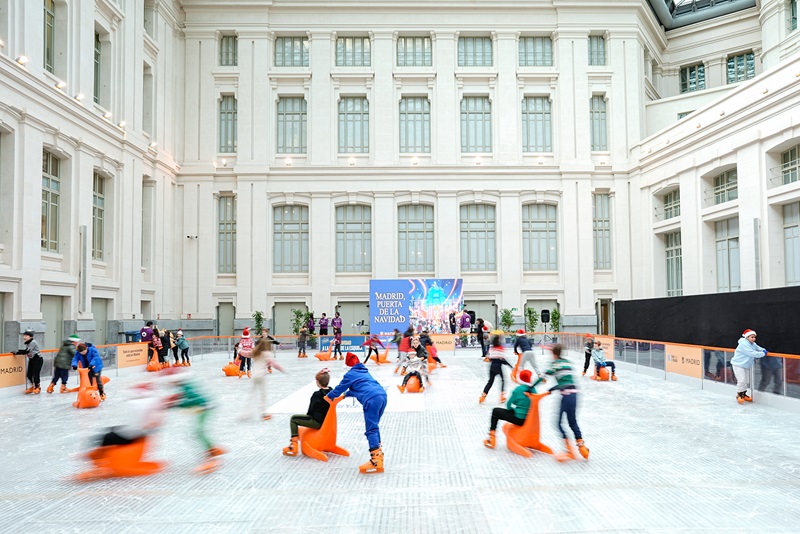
(525,376)
(351,359)
(246,332)
(75,338)
(748,332)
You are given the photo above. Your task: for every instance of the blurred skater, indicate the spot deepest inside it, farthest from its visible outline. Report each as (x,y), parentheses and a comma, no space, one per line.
(263,363)
(337,343)
(565,384)
(497,360)
(35,362)
(523,346)
(517,407)
(370,343)
(245,352)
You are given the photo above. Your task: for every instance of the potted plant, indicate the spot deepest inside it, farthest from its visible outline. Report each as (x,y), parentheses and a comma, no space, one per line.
(507,323)
(531,320)
(555,322)
(463,337)
(258,318)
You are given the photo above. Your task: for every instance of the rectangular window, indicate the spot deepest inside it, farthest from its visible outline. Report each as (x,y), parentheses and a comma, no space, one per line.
(726,187)
(353,52)
(741,67)
(415,125)
(226,235)
(98,49)
(292,125)
(597,50)
(290,238)
(51,200)
(539,237)
(414,52)
(727,240)
(474,52)
(537,126)
(672,204)
(693,78)
(791,242)
(535,52)
(49,35)
(98,217)
(792,15)
(790,165)
(478,238)
(684,114)
(229,51)
(599,123)
(415,238)
(601,225)
(353,125)
(674,265)
(354,239)
(476,124)
(291,52)
(227,124)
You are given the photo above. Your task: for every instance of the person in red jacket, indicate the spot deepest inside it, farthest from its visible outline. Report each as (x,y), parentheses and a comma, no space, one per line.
(370,344)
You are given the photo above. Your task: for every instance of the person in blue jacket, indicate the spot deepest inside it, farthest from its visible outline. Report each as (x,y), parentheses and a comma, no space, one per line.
(742,362)
(89,357)
(358,383)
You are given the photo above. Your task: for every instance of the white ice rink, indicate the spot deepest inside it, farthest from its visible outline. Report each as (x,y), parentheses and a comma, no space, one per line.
(664,458)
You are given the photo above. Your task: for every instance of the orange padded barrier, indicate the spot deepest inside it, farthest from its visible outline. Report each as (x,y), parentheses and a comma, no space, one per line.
(521,438)
(314,442)
(119,461)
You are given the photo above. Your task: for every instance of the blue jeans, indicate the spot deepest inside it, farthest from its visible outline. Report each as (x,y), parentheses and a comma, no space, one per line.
(612,365)
(569,405)
(373,411)
(62,374)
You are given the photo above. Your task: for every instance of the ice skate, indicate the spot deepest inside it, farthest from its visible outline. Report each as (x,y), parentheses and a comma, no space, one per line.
(50,388)
(491,441)
(402,389)
(567,456)
(291,450)
(38,390)
(746,397)
(739,397)
(375,463)
(582,448)
(266,417)
(63,388)
(30,390)
(502,397)
(483,398)
(614,378)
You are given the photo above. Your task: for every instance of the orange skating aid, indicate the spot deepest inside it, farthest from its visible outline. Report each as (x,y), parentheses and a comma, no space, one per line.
(515,370)
(325,356)
(314,442)
(603,375)
(413,386)
(231,369)
(88,396)
(521,438)
(381,358)
(120,461)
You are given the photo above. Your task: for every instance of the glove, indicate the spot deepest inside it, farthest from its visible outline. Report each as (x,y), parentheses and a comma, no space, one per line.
(765,352)
(74,367)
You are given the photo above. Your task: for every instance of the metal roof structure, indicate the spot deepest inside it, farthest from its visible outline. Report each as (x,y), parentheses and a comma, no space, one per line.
(678,13)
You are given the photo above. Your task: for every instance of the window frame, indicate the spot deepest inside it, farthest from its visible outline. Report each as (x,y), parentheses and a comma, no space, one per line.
(228,124)
(733,67)
(597,53)
(298,241)
(353,236)
(286,129)
(51,201)
(601,231)
(228,53)
(533,55)
(360,55)
(425,56)
(671,203)
(726,186)
(543,126)
(693,73)
(474,57)
(470,238)
(728,255)
(419,238)
(299,42)
(98,215)
(480,142)
(673,254)
(49,36)
(353,121)
(598,123)
(414,135)
(539,230)
(226,234)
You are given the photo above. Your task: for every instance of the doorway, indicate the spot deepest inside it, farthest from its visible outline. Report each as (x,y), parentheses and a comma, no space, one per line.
(100,313)
(226,313)
(604,314)
(282,317)
(53,317)
(353,313)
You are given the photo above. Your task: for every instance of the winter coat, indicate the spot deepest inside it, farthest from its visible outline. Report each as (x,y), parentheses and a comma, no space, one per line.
(65,355)
(746,353)
(336,322)
(599,357)
(318,407)
(323,322)
(465,324)
(358,383)
(520,403)
(182,343)
(92,359)
(523,344)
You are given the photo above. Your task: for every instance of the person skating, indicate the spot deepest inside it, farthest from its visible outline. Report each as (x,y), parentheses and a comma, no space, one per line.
(358,383)
(497,360)
(523,346)
(565,384)
(587,353)
(416,365)
(183,345)
(403,349)
(337,344)
(88,357)
(430,347)
(600,361)
(302,338)
(317,410)
(246,352)
(63,362)
(517,407)
(263,363)
(370,343)
(742,362)
(35,362)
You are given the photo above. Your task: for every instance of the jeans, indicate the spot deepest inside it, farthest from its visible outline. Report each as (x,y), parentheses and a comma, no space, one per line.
(495,368)
(302,420)
(62,374)
(569,406)
(501,414)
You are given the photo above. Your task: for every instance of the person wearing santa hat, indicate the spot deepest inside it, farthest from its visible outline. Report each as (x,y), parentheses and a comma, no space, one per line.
(245,352)
(742,362)
(358,383)
(517,407)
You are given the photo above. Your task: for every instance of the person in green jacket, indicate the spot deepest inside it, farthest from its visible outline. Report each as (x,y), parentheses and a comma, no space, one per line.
(62,363)
(517,407)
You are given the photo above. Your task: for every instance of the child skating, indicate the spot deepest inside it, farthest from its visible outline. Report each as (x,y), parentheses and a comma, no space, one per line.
(314,417)
(600,361)
(517,407)
(62,363)
(263,363)
(565,384)
(497,360)
(245,353)
(742,362)
(371,343)
(358,383)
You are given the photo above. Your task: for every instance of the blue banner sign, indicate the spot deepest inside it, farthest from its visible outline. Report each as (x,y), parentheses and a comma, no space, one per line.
(425,304)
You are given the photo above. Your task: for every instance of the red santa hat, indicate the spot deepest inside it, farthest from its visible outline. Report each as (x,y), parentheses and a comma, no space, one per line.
(246,332)
(748,333)
(521,332)
(350,359)
(525,376)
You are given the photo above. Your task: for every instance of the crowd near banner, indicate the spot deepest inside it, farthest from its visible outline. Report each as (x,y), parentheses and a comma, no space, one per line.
(423,303)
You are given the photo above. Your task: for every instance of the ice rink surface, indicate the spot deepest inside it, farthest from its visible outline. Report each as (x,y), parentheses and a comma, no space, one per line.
(664,458)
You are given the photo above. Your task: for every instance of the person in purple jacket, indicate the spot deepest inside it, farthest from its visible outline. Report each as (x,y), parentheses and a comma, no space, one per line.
(358,383)
(311,324)
(336,322)
(323,325)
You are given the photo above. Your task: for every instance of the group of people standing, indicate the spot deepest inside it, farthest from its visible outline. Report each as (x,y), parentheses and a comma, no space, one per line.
(162,341)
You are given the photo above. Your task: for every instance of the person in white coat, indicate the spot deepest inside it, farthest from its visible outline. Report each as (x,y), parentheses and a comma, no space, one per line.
(742,362)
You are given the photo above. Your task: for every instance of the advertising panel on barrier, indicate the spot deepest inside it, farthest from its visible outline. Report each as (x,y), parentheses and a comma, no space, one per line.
(349,343)
(444,342)
(131,355)
(423,303)
(12,370)
(684,360)
(607,343)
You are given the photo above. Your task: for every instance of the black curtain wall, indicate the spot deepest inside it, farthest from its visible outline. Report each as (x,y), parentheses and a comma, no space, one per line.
(716,320)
